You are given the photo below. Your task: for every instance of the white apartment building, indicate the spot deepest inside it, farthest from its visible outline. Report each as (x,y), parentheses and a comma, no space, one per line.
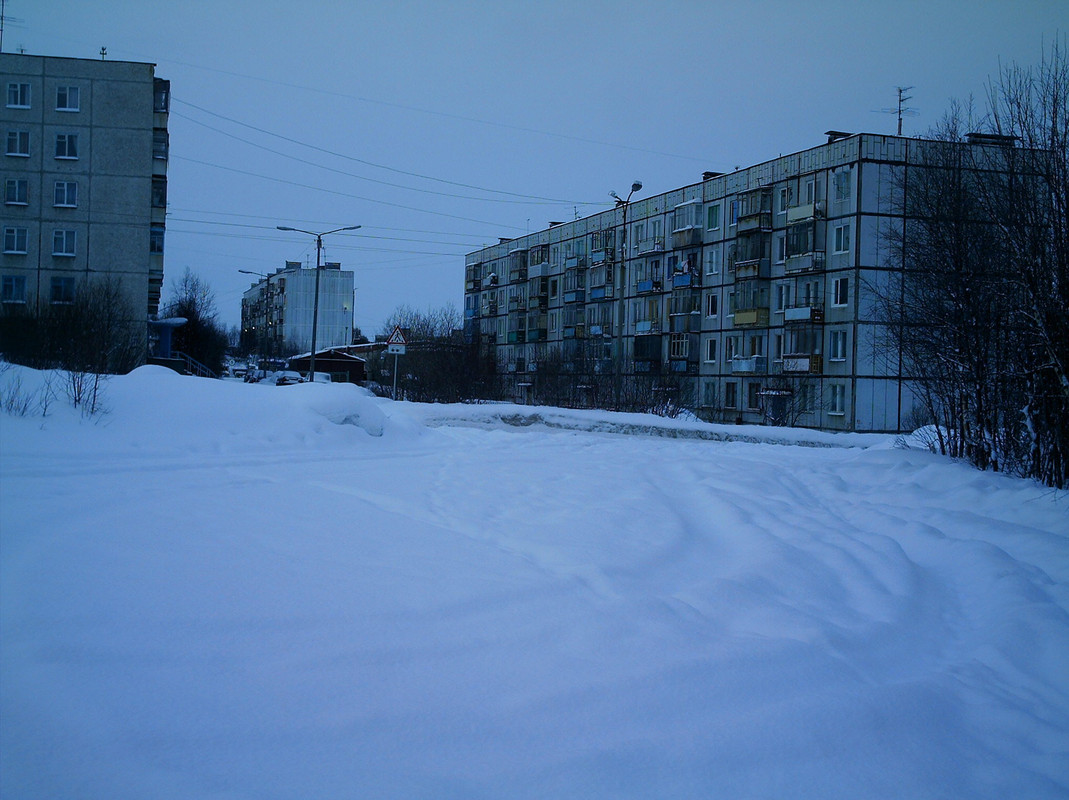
(277,310)
(750,290)
(84,176)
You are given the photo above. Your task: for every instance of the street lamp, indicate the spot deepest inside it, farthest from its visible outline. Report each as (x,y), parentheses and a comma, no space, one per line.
(315,303)
(267,300)
(635,186)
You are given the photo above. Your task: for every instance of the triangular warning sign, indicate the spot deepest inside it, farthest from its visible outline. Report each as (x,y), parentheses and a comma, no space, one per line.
(397,337)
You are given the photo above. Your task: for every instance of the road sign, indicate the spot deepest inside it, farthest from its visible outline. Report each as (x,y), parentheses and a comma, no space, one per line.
(397,337)
(395,349)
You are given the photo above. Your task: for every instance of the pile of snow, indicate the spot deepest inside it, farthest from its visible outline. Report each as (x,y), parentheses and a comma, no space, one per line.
(225,590)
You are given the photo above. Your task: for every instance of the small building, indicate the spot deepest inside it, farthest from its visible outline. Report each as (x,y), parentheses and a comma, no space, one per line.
(343,366)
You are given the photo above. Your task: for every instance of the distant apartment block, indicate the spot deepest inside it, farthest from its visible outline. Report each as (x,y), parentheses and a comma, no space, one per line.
(276,311)
(84,177)
(749,293)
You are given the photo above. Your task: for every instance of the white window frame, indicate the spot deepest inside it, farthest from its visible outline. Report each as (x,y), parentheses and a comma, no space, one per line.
(65,194)
(64,242)
(837,346)
(842,238)
(712,305)
(64,95)
(66,143)
(712,261)
(837,403)
(12,194)
(15,140)
(8,293)
(712,215)
(20,93)
(840,292)
(12,236)
(67,281)
(711,346)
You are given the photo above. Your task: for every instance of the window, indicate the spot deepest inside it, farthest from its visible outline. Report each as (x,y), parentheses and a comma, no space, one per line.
(842,291)
(15,240)
(66,194)
(838,399)
(13,289)
(781,248)
(781,205)
(734,213)
(18,143)
(160,143)
(753,395)
(842,238)
(16,192)
(783,296)
(679,345)
(810,191)
(731,347)
(777,346)
(161,95)
(18,95)
(712,305)
(62,290)
(67,98)
(710,351)
(709,394)
(842,185)
(64,242)
(155,239)
(66,145)
(712,217)
(731,395)
(712,260)
(838,346)
(159,192)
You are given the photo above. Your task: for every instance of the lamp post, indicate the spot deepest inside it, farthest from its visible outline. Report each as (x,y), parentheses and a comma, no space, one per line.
(267,300)
(315,303)
(621,307)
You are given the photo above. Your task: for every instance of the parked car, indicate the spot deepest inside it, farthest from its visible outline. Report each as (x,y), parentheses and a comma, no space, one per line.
(287,378)
(322,377)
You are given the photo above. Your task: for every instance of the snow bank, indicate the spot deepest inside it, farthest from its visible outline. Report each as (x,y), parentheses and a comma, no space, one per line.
(221,590)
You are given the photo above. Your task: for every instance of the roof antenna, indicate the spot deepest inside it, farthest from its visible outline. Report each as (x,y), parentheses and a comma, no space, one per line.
(103,53)
(902,110)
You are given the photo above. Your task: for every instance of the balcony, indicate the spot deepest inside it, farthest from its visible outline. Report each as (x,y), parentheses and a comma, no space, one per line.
(813,312)
(518,274)
(538,270)
(753,365)
(682,280)
(805,212)
(473,285)
(516,337)
(648,286)
(601,293)
(804,262)
(599,330)
(803,363)
(575,296)
(489,338)
(682,366)
(517,304)
(536,335)
(752,268)
(471,312)
(751,317)
(650,244)
(690,236)
(601,256)
(574,262)
(757,221)
(574,332)
(538,302)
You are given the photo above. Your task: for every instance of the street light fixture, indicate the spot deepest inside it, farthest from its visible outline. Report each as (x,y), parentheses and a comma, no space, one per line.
(267,300)
(635,186)
(315,303)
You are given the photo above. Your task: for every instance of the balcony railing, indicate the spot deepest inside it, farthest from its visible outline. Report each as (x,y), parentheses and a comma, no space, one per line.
(682,280)
(757,221)
(648,326)
(573,331)
(651,244)
(536,335)
(804,363)
(601,256)
(751,268)
(575,296)
(803,212)
(647,286)
(601,293)
(516,337)
(812,312)
(804,262)
(516,275)
(749,366)
(751,317)
(690,236)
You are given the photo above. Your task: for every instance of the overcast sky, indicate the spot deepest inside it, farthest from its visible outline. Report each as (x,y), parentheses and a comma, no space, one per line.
(439,127)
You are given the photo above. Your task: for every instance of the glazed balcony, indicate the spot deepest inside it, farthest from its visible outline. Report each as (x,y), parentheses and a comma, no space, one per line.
(751,317)
(751,365)
(757,221)
(805,262)
(752,268)
(807,312)
(803,363)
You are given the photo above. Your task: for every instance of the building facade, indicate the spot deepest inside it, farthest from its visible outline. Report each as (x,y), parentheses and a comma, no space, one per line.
(84,179)
(749,295)
(277,310)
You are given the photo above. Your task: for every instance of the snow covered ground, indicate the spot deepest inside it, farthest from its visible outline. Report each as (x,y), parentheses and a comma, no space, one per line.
(222,590)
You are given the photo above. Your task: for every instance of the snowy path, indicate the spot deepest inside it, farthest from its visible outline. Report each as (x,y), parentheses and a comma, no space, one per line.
(270,606)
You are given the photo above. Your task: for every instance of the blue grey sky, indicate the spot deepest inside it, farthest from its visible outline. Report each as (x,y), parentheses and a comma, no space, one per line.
(439,127)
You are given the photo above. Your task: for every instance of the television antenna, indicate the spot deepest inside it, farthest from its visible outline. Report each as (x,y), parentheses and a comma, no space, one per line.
(902,110)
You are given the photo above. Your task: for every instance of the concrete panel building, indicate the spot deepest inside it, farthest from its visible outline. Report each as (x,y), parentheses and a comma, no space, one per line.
(750,295)
(276,311)
(84,175)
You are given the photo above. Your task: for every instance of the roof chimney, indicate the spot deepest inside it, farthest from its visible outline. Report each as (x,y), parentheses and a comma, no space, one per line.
(707,176)
(834,136)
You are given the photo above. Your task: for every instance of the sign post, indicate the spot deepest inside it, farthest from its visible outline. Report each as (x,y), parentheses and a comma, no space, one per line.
(396,345)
